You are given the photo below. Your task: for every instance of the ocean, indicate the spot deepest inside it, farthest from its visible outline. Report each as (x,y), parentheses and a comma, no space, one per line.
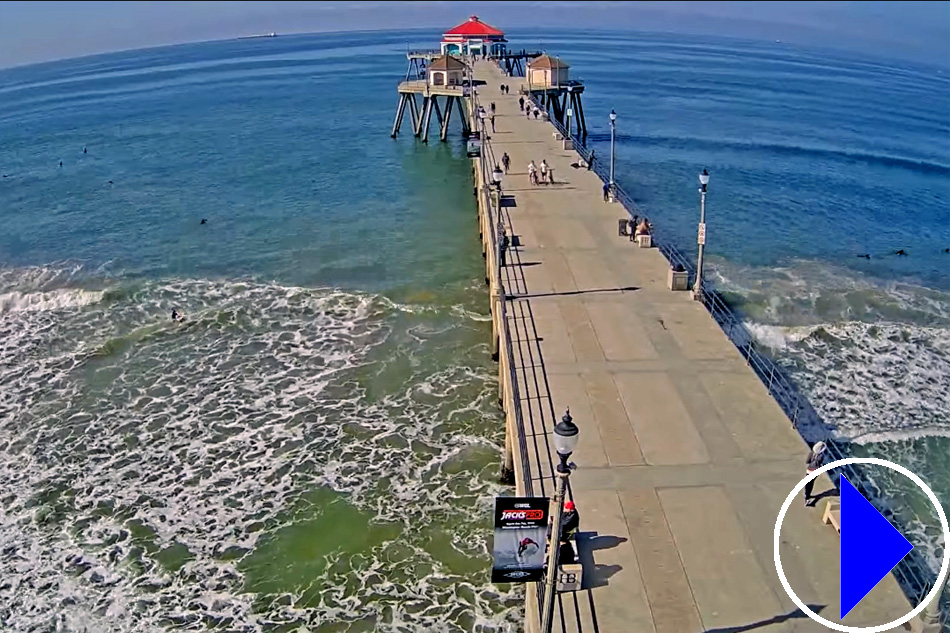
(318,444)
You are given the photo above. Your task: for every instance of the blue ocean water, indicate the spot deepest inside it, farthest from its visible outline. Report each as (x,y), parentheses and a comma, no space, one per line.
(300,452)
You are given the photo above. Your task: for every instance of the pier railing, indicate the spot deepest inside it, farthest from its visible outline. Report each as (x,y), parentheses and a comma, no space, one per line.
(913,572)
(506,353)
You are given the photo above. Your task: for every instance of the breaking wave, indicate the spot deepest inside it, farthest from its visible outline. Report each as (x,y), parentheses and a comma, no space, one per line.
(158,475)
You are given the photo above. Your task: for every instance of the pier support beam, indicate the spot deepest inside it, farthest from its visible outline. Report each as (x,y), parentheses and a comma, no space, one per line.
(557,101)
(445,119)
(400,112)
(438,110)
(579,116)
(428,117)
(466,130)
(423,114)
(413,111)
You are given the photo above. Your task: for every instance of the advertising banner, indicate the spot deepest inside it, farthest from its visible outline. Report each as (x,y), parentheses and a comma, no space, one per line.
(521,531)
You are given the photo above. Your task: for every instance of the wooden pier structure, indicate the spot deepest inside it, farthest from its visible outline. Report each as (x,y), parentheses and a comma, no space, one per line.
(421,114)
(684,458)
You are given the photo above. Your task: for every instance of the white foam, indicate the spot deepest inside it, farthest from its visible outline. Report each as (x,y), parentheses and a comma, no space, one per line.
(868,379)
(772,336)
(60,299)
(807,292)
(195,432)
(900,435)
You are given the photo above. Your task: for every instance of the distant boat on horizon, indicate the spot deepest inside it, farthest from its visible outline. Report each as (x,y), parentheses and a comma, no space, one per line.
(251,37)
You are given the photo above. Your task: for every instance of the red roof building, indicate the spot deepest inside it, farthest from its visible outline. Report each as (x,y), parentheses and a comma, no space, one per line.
(473,37)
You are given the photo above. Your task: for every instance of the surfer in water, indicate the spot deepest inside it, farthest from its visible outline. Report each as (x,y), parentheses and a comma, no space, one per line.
(177,317)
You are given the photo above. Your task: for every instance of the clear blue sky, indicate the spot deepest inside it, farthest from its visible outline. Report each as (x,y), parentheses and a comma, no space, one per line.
(41,31)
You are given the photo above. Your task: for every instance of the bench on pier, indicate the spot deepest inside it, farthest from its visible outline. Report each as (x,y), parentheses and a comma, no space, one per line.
(832,515)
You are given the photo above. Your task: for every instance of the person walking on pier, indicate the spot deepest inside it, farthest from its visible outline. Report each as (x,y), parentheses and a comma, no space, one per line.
(532,173)
(813,462)
(505,162)
(493,107)
(606,191)
(521,103)
(544,171)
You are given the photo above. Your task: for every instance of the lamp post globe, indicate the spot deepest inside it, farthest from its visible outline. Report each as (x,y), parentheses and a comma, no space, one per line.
(497,175)
(565,439)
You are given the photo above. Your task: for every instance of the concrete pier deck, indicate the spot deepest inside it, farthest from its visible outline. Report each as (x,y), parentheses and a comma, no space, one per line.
(684,459)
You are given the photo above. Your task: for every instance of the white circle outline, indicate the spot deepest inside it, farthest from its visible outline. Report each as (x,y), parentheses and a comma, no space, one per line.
(944,568)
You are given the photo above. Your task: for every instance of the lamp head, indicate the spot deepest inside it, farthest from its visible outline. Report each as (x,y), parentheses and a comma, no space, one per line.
(565,436)
(704,178)
(613,116)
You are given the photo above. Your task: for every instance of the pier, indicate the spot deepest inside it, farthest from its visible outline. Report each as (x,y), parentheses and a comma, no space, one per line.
(684,457)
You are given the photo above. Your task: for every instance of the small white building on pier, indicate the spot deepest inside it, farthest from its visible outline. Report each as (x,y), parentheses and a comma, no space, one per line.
(546,71)
(446,71)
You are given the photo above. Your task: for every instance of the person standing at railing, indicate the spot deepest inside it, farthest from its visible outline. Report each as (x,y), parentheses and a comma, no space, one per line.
(590,161)
(634,223)
(606,191)
(502,245)
(816,457)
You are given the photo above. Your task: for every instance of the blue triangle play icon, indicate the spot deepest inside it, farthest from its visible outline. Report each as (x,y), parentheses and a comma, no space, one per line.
(870,547)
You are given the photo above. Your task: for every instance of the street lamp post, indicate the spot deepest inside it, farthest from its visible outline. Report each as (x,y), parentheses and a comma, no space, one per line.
(613,140)
(565,440)
(701,236)
(570,113)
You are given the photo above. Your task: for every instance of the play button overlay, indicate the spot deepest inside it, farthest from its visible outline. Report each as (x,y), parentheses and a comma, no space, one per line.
(870,547)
